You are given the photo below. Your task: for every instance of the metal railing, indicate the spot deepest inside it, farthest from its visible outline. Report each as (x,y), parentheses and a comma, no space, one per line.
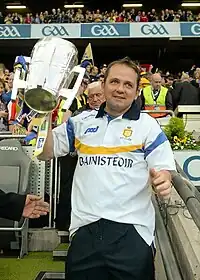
(169,112)
(189,195)
(169,261)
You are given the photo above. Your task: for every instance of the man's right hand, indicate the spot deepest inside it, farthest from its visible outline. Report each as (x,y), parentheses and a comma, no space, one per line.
(35,207)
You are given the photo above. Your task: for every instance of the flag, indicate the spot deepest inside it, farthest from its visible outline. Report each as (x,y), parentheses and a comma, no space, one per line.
(87,57)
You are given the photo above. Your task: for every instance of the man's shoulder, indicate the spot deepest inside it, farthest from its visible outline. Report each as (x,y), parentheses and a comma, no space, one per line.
(146,118)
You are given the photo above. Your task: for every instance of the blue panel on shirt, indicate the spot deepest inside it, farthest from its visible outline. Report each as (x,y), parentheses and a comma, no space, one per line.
(161,138)
(71,135)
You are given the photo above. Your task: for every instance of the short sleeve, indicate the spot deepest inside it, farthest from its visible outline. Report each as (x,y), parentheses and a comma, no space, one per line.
(63,139)
(157,149)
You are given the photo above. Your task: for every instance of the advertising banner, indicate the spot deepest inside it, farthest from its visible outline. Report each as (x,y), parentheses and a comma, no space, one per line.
(155,30)
(190,29)
(190,163)
(68,30)
(15,31)
(105,30)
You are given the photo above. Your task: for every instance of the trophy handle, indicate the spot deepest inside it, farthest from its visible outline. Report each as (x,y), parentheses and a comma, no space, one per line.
(70,93)
(19,82)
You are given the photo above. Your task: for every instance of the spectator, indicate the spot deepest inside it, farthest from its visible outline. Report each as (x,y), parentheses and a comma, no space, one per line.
(3,109)
(137,18)
(94,73)
(1,18)
(37,19)
(16,19)
(8,19)
(2,69)
(143,17)
(152,15)
(185,93)
(27,19)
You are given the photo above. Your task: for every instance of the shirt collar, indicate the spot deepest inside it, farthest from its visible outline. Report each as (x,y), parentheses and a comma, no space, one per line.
(133,112)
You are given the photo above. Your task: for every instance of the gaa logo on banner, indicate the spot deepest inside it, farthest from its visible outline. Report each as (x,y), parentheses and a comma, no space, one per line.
(17,31)
(56,30)
(104,30)
(190,163)
(155,30)
(190,29)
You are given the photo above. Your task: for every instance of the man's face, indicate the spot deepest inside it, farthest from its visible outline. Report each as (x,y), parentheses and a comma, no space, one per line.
(170,82)
(120,88)
(95,70)
(95,97)
(156,82)
(103,70)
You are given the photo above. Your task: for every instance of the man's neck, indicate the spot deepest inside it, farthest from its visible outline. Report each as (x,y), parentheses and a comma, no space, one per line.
(114,113)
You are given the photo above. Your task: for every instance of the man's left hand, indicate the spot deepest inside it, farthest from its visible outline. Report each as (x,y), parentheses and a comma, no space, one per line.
(161,181)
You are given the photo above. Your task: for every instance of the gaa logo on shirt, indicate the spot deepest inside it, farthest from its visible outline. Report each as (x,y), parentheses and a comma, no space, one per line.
(91,130)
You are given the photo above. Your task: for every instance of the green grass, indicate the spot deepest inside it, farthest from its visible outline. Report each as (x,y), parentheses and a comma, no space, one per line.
(62,246)
(28,267)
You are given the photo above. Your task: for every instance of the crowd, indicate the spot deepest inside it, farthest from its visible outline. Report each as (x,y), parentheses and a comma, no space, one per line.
(81,16)
(95,74)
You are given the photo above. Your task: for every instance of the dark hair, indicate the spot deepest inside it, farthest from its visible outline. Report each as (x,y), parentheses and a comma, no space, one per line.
(124,61)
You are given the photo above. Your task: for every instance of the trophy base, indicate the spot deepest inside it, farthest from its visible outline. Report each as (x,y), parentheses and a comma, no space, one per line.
(40,100)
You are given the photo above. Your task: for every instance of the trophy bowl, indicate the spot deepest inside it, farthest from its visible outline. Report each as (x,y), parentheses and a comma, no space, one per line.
(50,70)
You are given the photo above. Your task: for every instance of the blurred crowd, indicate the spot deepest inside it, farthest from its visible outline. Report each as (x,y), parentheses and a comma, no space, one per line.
(82,16)
(189,81)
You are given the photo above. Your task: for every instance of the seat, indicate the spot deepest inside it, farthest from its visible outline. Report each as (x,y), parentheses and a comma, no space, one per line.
(14,173)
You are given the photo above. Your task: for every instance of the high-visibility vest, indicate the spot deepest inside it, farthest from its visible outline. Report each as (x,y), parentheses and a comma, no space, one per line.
(61,112)
(151,104)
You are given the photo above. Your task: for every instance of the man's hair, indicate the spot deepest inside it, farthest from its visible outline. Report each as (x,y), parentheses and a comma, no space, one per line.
(93,85)
(124,61)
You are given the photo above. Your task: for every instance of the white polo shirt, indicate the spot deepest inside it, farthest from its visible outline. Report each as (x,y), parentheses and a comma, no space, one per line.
(112,173)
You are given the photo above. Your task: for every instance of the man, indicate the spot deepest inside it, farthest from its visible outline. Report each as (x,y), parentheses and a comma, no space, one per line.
(185,93)
(156,97)
(95,98)
(15,206)
(119,151)
(69,162)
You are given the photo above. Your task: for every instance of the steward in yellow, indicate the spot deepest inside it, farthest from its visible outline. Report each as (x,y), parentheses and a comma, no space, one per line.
(156,97)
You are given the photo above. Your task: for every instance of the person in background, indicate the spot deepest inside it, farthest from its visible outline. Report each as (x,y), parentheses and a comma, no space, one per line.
(3,109)
(8,92)
(156,97)
(94,73)
(95,98)
(184,93)
(15,206)
(169,83)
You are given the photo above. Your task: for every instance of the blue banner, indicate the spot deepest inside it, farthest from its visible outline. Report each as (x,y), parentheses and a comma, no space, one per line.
(15,31)
(105,30)
(190,29)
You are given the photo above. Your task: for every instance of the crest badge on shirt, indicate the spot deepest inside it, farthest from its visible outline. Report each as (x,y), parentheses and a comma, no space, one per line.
(127,132)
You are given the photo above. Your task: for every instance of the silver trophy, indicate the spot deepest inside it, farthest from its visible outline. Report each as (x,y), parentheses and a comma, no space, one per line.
(52,75)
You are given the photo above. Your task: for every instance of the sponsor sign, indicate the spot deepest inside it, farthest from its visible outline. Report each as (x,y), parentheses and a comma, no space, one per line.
(105,30)
(55,30)
(155,30)
(190,163)
(15,31)
(190,29)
